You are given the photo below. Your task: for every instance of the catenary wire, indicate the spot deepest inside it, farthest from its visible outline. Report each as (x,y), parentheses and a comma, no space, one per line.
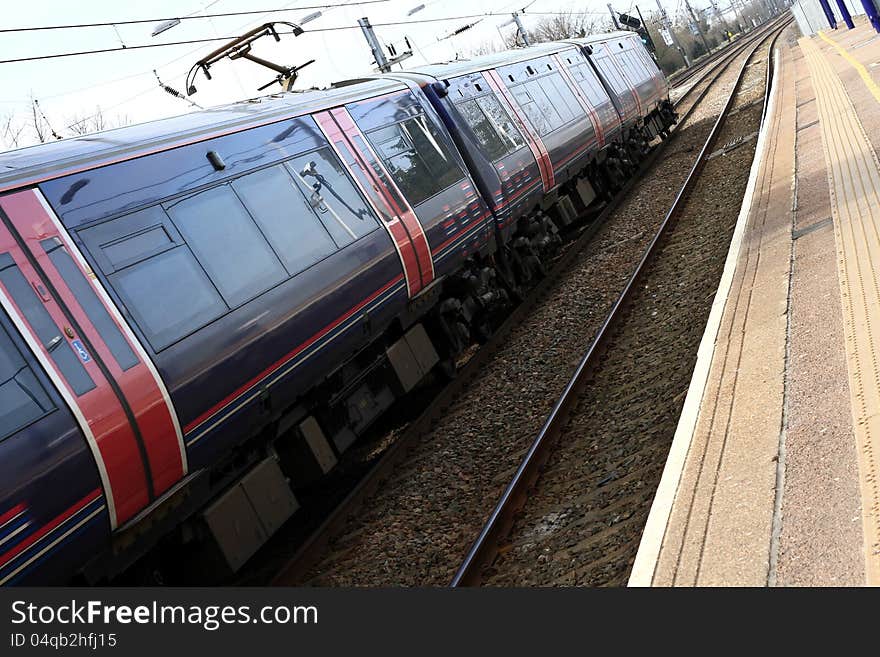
(280,32)
(190,17)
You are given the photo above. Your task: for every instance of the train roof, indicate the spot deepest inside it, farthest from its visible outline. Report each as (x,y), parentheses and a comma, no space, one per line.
(49,160)
(603,36)
(458,67)
(599,38)
(492,60)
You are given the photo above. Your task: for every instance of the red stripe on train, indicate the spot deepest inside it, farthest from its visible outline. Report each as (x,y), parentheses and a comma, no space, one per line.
(393,193)
(138,386)
(12,513)
(375,193)
(113,440)
(10,554)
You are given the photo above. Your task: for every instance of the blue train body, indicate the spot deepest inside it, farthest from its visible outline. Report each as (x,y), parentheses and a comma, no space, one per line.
(200,314)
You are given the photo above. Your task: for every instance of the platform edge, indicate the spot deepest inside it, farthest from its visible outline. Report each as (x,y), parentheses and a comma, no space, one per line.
(651,543)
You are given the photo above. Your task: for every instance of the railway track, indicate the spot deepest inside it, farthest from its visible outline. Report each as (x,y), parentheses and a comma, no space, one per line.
(575,508)
(683,84)
(327,555)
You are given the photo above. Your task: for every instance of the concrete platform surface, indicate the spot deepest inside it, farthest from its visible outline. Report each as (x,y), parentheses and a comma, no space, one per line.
(773,475)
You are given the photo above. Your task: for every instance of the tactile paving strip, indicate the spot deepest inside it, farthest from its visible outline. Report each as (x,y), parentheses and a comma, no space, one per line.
(854,182)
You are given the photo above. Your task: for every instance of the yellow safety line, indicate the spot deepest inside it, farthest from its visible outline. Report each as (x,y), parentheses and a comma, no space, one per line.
(854,180)
(862,71)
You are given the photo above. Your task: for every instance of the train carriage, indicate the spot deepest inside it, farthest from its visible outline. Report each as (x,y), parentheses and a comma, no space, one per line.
(632,78)
(200,314)
(194,278)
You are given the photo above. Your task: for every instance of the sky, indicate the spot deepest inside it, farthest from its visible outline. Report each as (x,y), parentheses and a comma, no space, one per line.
(123,84)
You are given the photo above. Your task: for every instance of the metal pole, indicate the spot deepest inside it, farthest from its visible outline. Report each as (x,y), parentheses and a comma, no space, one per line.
(871,11)
(645,27)
(844,11)
(613,16)
(720,16)
(521,29)
(664,19)
(740,19)
(828,13)
(373,42)
(697,25)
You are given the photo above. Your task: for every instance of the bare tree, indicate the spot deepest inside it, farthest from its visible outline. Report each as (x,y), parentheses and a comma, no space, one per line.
(10,131)
(38,123)
(484,48)
(569,25)
(96,122)
(84,125)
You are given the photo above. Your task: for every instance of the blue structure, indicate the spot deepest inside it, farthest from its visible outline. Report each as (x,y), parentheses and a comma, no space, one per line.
(830,14)
(871,11)
(844,11)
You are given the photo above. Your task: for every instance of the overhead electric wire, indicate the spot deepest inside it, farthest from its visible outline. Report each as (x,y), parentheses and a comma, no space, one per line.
(263,12)
(168,63)
(190,17)
(177,59)
(280,32)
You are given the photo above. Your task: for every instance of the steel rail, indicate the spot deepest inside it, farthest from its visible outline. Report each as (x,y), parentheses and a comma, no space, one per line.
(484,550)
(310,551)
(704,70)
(678,79)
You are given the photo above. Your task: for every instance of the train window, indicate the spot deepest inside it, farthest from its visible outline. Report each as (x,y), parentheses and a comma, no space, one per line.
(487,134)
(168,295)
(91,304)
(546,90)
(632,70)
(332,195)
(45,328)
(285,218)
(542,115)
(148,241)
(130,239)
(589,84)
(228,244)
(412,152)
(609,70)
(22,399)
(501,121)
(641,66)
(562,96)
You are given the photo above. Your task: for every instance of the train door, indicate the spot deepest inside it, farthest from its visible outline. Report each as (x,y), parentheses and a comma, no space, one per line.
(585,103)
(399,220)
(99,367)
(618,60)
(535,143)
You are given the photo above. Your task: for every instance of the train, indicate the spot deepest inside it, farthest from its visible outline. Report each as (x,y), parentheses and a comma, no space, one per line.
(201,314)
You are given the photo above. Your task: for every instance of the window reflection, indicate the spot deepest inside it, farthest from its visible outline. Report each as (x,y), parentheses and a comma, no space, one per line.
(332,196)
(412,152)
(492,126)
(22,398)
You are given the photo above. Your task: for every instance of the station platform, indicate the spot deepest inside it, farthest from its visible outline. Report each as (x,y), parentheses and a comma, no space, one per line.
(773,478)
